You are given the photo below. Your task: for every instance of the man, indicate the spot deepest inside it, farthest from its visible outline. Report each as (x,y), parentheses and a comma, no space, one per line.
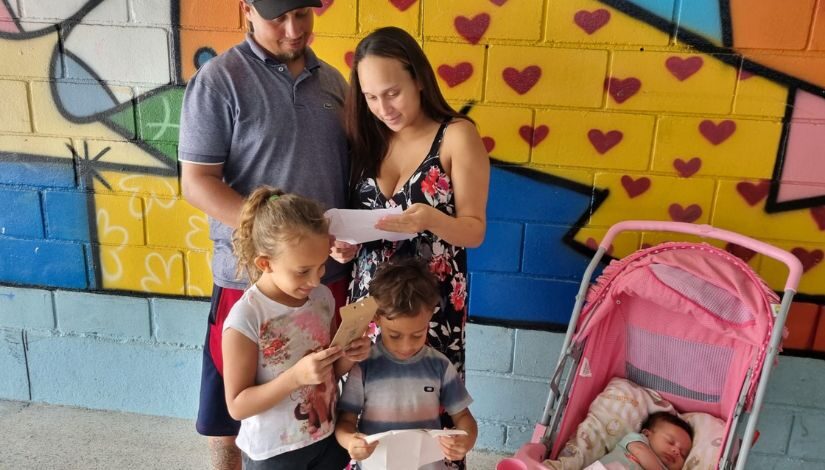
(267,111)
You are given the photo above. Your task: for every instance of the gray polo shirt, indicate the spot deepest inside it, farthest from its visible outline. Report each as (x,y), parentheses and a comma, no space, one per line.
(244,110)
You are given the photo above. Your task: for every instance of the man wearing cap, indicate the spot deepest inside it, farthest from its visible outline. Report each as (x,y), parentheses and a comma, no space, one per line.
(267,111)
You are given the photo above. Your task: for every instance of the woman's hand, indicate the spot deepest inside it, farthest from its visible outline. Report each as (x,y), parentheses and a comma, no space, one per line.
(416,219)
(358,448)
(342,252)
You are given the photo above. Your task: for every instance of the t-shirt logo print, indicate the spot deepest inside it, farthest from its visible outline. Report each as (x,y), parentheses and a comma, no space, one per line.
(429,389)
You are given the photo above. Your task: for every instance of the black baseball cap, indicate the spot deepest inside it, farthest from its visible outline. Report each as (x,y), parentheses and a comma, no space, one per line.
(271,9)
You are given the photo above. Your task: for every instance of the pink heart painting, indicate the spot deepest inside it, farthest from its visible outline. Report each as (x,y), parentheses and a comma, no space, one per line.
(818,213)
(688,214)
(348,58)
(622,89)
(454,76)
(717,133)
(745,254)
(325,4)
(753,193)
(686,169)
(809,259)
(635,187)
(534,136)
(489,143)
(402,5)
(681,68)
(603,142)
(522,81)
(472,29)
(591,21)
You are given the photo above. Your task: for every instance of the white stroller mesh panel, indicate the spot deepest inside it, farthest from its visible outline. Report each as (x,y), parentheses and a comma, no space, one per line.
(676,366)
(716,300)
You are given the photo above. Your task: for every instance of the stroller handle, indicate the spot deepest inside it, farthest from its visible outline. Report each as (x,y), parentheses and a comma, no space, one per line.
(708,231)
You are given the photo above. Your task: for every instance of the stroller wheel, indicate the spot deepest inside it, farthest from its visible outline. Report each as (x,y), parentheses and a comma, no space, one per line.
(511,464)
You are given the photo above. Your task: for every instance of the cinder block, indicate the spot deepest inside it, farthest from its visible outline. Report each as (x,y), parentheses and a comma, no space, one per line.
(155,270)
(138,377)
(506,398)
(26,308)
(108,315)
(459,69)
(521,299)
(501,131)
(537,353)
(501,250)
(806,438)
(15,383)
(84,100)
(119,220)
(519,435)
(758,461)
(797,381)
(42,263)
(110,12)
(25,220)
(206,14)
(490,435)
(53,173)
(774,430)
(15,103)
(159,116)
(67,215)
(174,223)
(477,22)
(26,58)
(489,348)
(801,325)
(546,255)
(337,18)
(373,14)
(179,321)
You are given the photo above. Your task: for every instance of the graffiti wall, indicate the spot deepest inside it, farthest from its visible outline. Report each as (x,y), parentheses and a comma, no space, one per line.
(705,111)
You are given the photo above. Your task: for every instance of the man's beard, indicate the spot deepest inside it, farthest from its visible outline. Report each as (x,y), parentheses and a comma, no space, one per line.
(290,56)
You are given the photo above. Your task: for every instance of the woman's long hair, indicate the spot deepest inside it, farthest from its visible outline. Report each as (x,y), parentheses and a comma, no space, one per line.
(369,137)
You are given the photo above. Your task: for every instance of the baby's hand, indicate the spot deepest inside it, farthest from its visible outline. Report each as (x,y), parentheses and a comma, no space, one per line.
(455,447)
(358,448)
(359,349)
(315,367)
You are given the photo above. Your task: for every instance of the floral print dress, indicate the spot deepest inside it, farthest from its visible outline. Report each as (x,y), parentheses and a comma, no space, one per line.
(429,184)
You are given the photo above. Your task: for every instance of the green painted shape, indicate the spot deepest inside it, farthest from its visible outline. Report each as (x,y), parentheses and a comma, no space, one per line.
(159,115)
(124,120)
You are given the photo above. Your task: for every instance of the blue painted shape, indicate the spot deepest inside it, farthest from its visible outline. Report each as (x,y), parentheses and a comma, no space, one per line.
(92,372)
(35,170)
(546,254)
(179,321)
(26,308)
(67,215)
(701,17)
(661,8)
(107,315)
(42,263)
(507,297)
(84,100)
(525,195)
(25,220)
(92,267)
(501,250)
(15,383)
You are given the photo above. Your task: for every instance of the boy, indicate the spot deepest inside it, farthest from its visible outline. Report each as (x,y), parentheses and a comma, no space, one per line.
(664,442)
(404,383)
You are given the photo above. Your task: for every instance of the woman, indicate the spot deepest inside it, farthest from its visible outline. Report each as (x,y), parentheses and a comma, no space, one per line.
(411,149)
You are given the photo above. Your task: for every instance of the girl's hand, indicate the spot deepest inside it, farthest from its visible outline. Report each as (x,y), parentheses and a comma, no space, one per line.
(343,252)
(455,447)
(358,350)
(316,367)
(358,448)
(416,219)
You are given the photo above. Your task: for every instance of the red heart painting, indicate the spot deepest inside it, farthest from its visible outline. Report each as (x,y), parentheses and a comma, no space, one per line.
(717,133)
(681,68)
(622,89)
(522,81)
(594,245)
(534,136)
(809,259)
(457,75)
(498,3)
(684,214)
(402,4)
(686,169)
(753,193)
(818,213)
(635,187)
(348,58)
(325,4)
(604,142)
(472,29)
(489,143)
(591,21)
(745,254)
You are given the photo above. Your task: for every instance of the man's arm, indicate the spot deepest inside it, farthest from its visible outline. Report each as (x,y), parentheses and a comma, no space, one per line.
(203,187)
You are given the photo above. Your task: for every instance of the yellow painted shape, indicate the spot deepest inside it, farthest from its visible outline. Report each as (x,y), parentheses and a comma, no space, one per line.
(27,57)
(54,147)
(655,202)
(174,223)
(199,273)
(623,244)
(338,18)
(48,120)
(502,126)
(568,143)
(750,152)
(619,28)
(142,269)
(569,77)
(759,96)
(14,99)
(119,220)
(374,14)
(734,213)
(447,59)
(515,19)
(709,90)
(138,184)
(775,273)
(334,50)
(193,40)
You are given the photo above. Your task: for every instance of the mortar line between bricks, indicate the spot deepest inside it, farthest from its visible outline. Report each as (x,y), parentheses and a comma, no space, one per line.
(789,437)
(25,339)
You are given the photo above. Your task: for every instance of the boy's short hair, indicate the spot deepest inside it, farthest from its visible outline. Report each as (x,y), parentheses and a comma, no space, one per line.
(664,416)
(404,288)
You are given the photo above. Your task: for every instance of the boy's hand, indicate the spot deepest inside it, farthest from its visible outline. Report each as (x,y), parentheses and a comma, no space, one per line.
(455,447)
(315,368)
(358,448)
(359,349)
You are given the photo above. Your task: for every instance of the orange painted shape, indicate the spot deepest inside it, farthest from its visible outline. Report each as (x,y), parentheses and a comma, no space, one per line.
(807,67)
(819,336)
(771,24)
(210,14)
(191,41)
(818,33)
(801,324)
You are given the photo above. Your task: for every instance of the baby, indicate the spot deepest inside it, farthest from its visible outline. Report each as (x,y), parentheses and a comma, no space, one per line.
(664,443)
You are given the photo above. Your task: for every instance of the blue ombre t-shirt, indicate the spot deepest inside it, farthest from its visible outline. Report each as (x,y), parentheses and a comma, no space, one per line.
(390,393)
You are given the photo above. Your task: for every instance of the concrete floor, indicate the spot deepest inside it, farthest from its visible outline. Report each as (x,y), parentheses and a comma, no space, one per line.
(39,436)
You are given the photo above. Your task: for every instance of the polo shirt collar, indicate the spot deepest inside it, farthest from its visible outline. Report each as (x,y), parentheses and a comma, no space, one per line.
(312,61)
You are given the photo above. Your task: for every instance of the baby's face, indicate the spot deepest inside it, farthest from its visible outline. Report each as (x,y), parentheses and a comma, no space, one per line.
(670,443)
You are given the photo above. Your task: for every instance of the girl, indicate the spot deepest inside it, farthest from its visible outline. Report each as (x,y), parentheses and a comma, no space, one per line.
(279,372)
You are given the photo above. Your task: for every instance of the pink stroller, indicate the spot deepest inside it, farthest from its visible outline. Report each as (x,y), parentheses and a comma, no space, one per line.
(687,320)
